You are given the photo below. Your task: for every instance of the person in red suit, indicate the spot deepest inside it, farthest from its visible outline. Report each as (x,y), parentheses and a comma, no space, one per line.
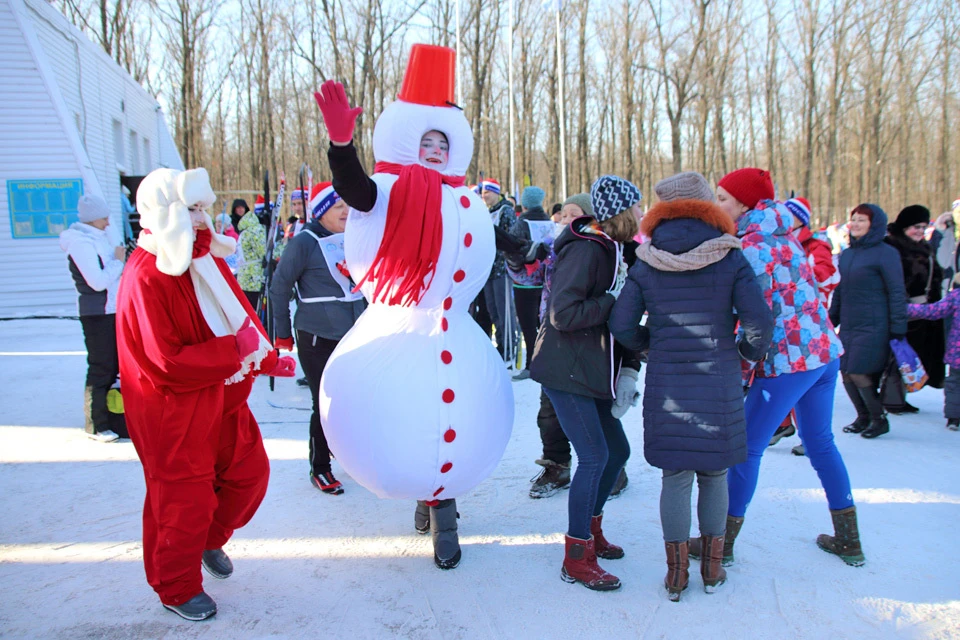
(190,346)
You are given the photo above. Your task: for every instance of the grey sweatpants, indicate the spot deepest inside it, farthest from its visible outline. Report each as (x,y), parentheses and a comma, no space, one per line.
(675,503)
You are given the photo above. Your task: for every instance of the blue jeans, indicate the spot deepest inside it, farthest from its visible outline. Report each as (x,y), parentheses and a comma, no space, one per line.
(768,403)
(602,450)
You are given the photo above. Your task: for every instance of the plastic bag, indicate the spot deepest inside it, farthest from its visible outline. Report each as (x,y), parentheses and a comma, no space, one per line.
(908,362)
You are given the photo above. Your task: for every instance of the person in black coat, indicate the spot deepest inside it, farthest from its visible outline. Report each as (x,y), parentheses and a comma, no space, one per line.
(922,279)
(238,209)
(870,307)
(576,361)
(327,308)
(526,294)
(690,277)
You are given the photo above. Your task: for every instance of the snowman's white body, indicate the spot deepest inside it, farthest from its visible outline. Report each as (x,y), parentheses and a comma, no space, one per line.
(415,401)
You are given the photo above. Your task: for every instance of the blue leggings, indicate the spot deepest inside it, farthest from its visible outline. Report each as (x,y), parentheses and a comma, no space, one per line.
(602,450)
(768,403)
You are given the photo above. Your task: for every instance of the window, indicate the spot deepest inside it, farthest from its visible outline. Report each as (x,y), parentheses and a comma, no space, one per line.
(147,158)
(134,154)
(118,143)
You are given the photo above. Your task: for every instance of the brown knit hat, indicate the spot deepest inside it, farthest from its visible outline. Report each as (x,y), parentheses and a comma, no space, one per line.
(688,185)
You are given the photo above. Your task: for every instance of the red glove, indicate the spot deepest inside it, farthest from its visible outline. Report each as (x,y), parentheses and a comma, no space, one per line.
(286,368)
(339,118)
(283,343)
(248,338)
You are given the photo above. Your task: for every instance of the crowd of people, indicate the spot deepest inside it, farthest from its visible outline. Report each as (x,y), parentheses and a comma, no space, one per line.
(738,315)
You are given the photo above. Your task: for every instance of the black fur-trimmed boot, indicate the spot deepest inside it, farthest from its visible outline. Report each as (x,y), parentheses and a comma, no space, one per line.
(443,528)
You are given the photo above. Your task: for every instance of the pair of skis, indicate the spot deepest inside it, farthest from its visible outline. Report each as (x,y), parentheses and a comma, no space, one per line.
(266,312)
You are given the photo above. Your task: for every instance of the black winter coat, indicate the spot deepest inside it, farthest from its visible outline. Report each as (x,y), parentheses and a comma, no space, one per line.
(925,336)
(870,303)
(693,400)
(574,351)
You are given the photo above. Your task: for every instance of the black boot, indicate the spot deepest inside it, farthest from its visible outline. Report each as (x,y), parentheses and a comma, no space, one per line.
(421,517)
(878,427)
(953,424)
(443,527)
(863,414)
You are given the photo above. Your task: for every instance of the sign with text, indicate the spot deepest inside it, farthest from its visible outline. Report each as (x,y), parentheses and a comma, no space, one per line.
(42,208)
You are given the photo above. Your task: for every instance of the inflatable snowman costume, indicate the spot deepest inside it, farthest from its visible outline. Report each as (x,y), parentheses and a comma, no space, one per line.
(416,399)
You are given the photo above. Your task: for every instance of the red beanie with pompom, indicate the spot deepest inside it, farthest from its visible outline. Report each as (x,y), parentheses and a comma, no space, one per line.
(749,185)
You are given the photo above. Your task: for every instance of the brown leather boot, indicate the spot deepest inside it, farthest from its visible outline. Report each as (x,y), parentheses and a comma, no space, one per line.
(604,549)
(678,569)
(580,565)
(733,529)
(711,564)
(846,539)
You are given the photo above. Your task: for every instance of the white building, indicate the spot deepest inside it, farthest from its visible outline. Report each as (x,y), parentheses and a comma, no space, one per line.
(72,121)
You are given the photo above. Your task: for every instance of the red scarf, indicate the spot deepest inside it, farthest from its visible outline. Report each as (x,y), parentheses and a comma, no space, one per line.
(413,234)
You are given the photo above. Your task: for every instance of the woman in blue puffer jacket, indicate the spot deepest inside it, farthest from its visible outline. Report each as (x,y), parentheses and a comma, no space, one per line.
(690,277)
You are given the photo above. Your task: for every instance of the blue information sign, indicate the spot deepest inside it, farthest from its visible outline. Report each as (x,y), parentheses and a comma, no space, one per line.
(42,208)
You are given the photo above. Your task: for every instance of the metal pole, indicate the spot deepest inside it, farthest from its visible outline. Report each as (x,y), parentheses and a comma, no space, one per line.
(459,84)
(513,175)
(562,110)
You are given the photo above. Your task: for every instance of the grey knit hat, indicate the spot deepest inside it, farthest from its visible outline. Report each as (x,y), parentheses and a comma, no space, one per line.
(582,200)
(612,196)
(688,185)
(90,208)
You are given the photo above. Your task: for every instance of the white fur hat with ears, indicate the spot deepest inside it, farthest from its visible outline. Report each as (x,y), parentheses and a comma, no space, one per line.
(164,199)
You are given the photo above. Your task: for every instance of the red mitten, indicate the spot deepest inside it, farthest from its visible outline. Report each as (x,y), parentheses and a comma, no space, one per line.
(283,343)
(248,338)
(339,118)
(286,368)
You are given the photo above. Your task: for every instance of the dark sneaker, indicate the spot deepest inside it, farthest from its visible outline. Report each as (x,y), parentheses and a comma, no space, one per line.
(553,478)
(620,485)
(523,375)
(302,382)
(199,607)
(326,483)
(217,563)
(953,424)
(905,408)
(781,433)
(799,450)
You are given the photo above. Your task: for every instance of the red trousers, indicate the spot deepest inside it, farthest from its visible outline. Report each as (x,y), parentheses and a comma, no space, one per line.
(203,482)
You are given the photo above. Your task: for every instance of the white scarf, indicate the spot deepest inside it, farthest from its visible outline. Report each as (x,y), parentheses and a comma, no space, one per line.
(219,305)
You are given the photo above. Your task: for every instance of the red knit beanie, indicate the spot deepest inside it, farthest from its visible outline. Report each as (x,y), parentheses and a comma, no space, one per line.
(749,185)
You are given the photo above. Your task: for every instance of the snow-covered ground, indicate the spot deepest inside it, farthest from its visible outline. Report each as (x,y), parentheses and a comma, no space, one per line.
(315,566)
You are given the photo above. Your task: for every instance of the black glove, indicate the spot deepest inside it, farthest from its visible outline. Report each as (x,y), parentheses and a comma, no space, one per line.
(536,252)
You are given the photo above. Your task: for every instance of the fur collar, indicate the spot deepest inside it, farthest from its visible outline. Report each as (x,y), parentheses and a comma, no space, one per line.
(697,209)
